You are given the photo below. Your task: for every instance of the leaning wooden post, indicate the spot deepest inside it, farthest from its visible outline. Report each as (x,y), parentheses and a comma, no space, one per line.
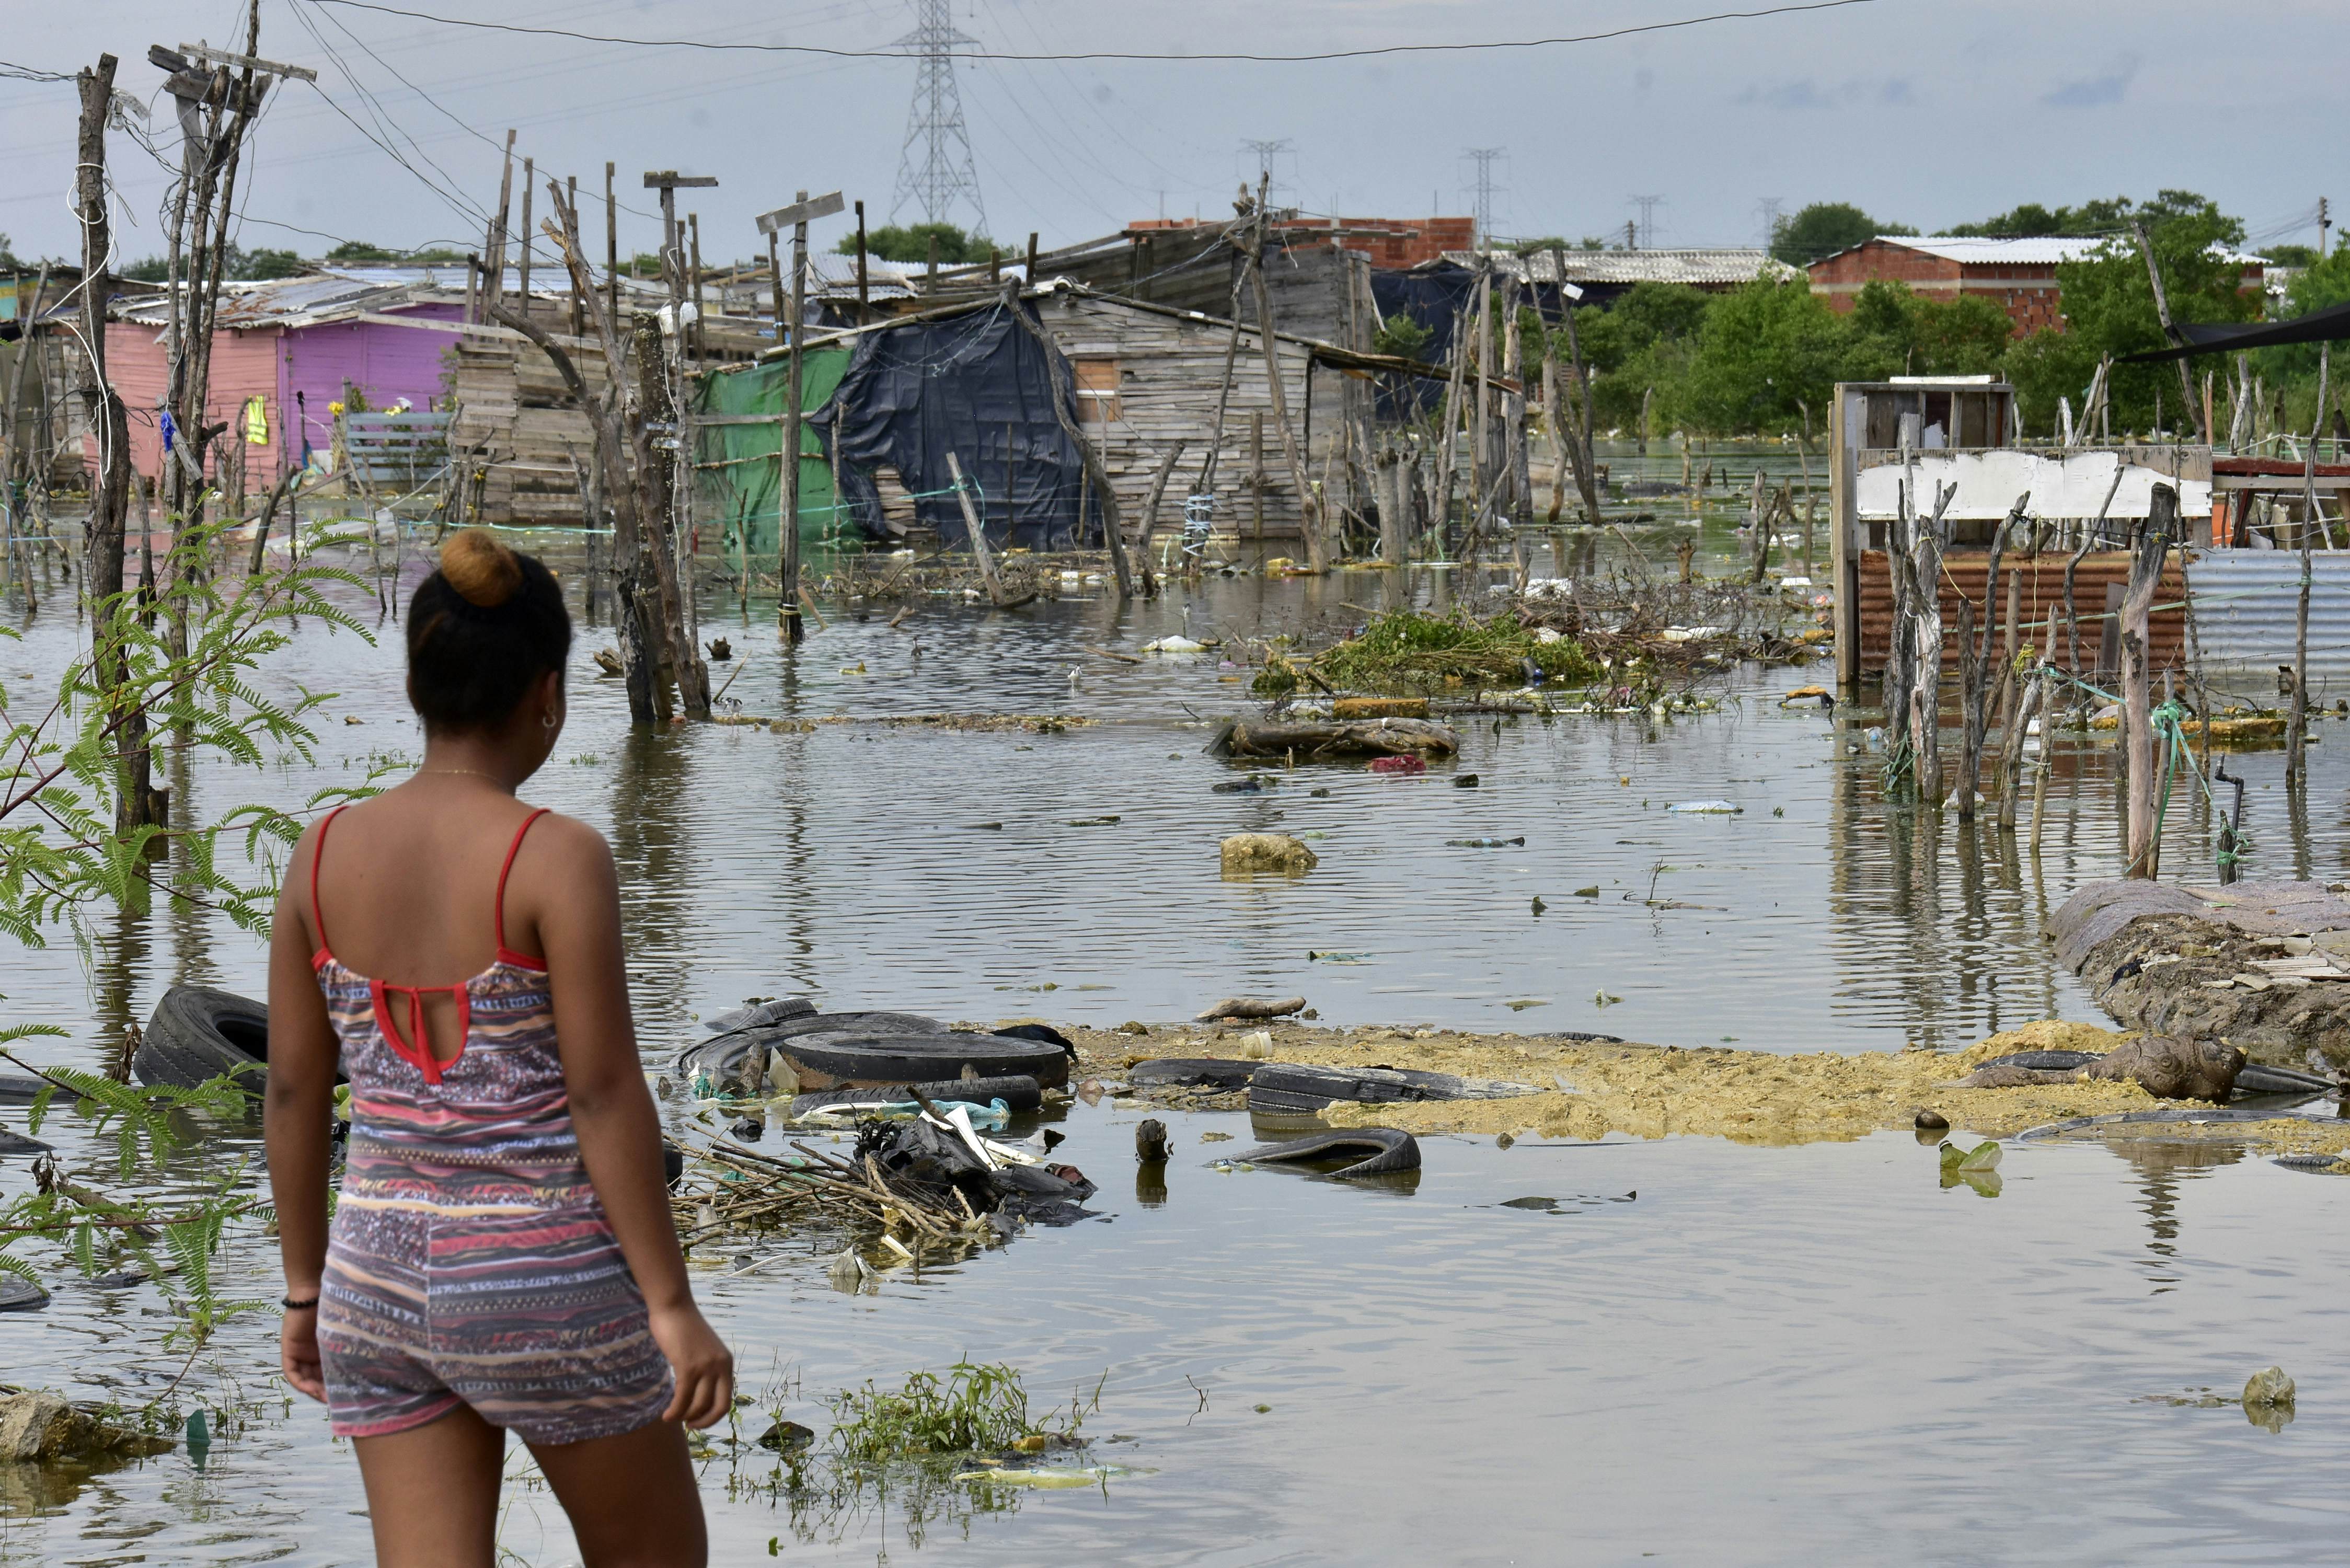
(2296,730)
(1925,692)
(1095,473)
(2151,549)
(611,246)
(977,534)
(2047,736)
(2162,314)
(1309,505)
(798,216)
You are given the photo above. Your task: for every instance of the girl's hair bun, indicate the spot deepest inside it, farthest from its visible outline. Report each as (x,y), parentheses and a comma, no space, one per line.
(484,573)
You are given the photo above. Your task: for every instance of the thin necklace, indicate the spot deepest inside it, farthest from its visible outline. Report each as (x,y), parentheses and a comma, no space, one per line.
(475,771)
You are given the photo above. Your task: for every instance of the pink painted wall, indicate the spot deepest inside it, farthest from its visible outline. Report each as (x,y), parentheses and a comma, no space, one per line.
(274,363)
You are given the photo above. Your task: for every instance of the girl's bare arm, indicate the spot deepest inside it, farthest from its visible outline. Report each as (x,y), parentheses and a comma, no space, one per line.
(297,1109)
(574,893)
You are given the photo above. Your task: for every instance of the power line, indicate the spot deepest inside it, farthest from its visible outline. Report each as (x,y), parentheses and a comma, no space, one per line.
(942,170)
(1108,54)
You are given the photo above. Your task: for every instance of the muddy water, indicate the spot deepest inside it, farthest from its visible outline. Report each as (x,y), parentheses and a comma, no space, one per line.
(1693,1372)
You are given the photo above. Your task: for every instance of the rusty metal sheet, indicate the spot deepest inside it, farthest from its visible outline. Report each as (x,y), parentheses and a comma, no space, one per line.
(2043,594)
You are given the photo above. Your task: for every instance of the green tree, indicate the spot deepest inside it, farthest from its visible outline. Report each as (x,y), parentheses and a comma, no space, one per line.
(1825,228)
(1401,335)
(1764,351)
(1640,343)
(2109,310)
(361,251)
(2032,220)
(911,242)
(1897,332)
(9,260)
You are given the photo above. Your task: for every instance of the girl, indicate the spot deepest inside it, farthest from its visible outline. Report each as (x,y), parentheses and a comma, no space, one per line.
(502,1254)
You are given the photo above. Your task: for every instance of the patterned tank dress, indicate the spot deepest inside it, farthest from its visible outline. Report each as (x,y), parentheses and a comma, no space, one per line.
(469,1260)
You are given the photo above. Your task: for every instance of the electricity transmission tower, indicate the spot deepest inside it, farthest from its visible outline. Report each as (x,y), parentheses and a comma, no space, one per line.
(1648,205)
(1484,188)
(1263,157)
(935,167)
(1767,209)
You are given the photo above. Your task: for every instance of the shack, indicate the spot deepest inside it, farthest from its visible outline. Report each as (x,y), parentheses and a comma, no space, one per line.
(285,352)
(2017,274)
(1901,444)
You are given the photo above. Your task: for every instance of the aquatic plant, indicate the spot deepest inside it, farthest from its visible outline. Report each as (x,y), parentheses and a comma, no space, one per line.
(1416,651)
(976,1408)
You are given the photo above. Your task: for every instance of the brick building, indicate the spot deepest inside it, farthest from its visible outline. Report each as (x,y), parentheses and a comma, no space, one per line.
(2018,275)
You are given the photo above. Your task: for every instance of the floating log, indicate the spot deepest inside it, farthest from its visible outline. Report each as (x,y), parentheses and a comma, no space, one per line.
(1372,737)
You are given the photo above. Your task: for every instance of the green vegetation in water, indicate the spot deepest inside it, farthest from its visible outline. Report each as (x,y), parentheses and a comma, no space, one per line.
(1412,651)
(976,1409)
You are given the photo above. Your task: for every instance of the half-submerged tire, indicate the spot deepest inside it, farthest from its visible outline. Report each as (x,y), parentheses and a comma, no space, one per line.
(721,1055)
(2252,1079)
(1192,1073)
(198,1033)
(1387,1151)
(1299,1088)
(852,1060)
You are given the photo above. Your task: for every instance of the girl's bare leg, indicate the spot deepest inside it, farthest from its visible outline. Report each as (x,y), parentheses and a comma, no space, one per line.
(631,1498)
(432,1493)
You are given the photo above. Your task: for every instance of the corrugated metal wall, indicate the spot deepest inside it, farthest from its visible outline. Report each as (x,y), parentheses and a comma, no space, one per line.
(2246,600)
(244,364)
(2042,593)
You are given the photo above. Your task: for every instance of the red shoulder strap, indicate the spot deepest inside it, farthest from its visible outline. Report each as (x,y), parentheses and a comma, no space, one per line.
(318,853)
(512,850)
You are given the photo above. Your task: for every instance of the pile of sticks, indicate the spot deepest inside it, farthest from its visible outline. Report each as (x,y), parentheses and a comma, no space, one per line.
(771,1189)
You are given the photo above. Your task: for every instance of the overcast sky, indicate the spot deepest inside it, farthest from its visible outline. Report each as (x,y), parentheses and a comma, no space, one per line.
(1925,112)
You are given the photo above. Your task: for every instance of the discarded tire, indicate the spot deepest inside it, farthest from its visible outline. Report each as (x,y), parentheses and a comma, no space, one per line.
(14,1142)
(2313,1164)
(845,1059)
(1295,1088)
(2251,1079)
(1018,1092)
(19,1088)
(18,1293)
(198,1033)
(1387,1151)
(1192,1073)
(721,1055)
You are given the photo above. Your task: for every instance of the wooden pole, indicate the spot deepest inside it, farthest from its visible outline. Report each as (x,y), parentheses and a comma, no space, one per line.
(1256,479)
(1029,270)
(2043,710)
(701,339)
(1309,507)
(2296,731)
(497,258)
(578,305)
(864,300)
(977,534)
(2162,314)
(2151,549)
(522,279)
(788,607)
(1097,474)
(611,247)
(1149,522)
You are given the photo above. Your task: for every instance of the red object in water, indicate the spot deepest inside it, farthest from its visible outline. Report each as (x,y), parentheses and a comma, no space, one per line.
(1403,765)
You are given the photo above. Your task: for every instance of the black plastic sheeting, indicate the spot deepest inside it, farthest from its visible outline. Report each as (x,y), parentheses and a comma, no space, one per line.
(981,386)
(2331,324)
(1435,297)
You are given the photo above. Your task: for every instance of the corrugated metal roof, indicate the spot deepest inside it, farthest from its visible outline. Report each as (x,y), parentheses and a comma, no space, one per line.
(1695,266)
(278,302)
(2035,251)
(2246,602)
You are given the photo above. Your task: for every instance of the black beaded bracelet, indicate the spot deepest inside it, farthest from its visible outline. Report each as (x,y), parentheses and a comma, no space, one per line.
(290,1305)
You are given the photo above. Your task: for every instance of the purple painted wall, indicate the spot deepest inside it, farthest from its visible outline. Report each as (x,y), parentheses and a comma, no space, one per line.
(388,363)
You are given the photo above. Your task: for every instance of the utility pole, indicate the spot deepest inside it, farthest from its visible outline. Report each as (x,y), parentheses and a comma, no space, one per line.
(796,217)
(2325,222)
(935,168)
(668,181)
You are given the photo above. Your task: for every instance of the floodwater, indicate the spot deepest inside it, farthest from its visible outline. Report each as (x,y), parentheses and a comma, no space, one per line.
(1708,1352)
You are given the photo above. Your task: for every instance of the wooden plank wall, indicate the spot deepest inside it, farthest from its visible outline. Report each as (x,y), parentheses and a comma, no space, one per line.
(1170,369)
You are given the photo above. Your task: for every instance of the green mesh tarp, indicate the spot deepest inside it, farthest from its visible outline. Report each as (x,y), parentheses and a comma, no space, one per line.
(740,486)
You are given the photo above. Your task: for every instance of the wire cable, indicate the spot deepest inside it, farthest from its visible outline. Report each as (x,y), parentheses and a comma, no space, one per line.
(893,53)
